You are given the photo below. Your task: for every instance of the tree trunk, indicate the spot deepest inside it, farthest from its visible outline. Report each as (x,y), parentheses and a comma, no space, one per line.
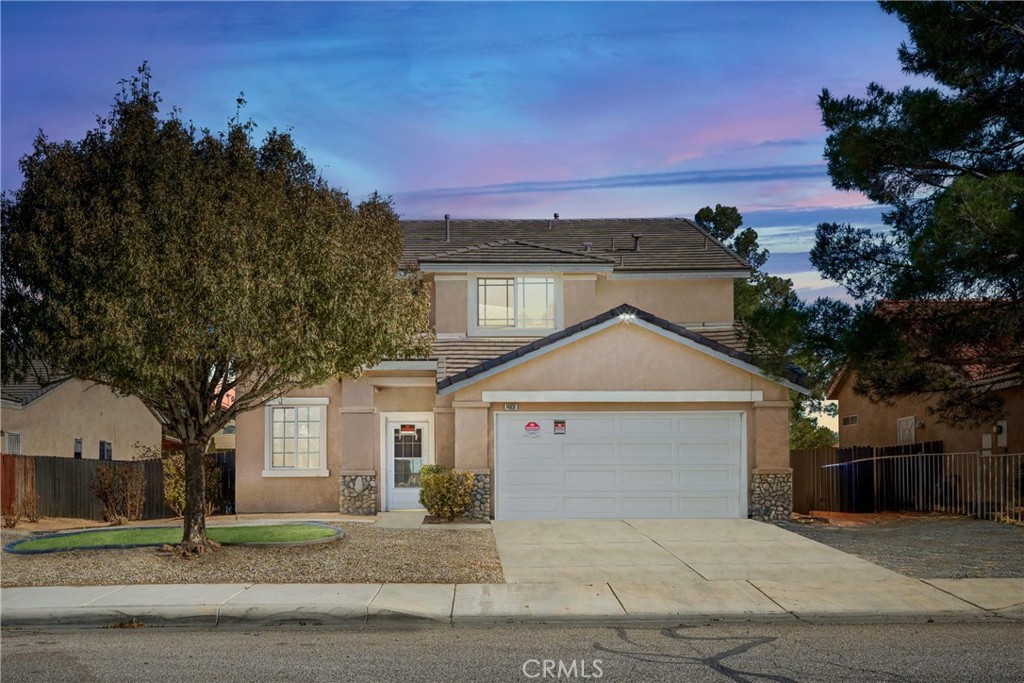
(194,540)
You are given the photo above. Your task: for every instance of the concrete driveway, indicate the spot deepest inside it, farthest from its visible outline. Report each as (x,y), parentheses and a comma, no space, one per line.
(653,550)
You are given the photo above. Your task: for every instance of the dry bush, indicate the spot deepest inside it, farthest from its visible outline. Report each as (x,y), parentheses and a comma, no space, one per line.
(121,490)
(21,509)
(444,492)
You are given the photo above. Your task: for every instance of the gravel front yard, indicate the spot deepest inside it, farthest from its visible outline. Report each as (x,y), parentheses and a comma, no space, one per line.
(366,554)
(929,547)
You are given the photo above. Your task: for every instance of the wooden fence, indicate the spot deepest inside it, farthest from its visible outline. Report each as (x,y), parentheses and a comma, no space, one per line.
(60,486)
(863,485)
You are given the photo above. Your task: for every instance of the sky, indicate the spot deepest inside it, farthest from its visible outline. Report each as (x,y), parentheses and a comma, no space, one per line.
(487,110)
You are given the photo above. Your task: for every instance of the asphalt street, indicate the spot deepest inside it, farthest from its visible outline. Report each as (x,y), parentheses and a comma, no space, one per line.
(947,652)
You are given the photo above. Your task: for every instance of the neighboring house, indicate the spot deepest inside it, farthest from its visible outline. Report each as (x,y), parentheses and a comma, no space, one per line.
(582,369)
(909,420)
(73,419)
(224,440)
(864,423)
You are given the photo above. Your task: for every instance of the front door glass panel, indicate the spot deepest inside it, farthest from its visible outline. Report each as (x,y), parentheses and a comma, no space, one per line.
(408,455)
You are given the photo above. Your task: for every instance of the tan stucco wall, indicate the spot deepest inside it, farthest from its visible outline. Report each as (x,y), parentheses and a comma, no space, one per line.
(625,358)
(452,305)
(50,424)
(579,299)
(876,422)
(678,301)
(256,493)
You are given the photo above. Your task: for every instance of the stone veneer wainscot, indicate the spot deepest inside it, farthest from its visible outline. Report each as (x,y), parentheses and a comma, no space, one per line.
(771,495)
(358,494)
(480,498)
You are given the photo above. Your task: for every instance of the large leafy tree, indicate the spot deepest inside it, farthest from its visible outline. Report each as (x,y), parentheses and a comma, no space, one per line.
(948,161)
(184,266)
(776,325)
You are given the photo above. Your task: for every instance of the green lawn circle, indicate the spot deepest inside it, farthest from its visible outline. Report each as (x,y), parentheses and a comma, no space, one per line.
(300,533)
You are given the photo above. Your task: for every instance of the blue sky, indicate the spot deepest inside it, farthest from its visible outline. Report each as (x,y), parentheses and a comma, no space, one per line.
(490,109)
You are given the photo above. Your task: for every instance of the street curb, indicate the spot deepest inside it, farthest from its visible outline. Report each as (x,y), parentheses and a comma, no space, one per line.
(273,616)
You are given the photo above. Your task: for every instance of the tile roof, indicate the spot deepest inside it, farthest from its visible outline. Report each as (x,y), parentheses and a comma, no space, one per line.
(999,358)
(666,243)
(39,380)
(514,251)
(457,355)
(792,374)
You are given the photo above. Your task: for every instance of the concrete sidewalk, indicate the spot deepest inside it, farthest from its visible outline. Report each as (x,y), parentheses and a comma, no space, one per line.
(616,603)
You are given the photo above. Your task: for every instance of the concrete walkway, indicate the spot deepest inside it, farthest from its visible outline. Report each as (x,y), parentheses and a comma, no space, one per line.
(615,603)
(400,520)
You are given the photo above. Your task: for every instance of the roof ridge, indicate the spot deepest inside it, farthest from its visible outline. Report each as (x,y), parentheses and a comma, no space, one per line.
(719,242)
(474,247)
(563,250)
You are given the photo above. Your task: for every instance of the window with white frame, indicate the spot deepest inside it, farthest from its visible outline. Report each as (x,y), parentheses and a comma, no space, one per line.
(296,440)
(516,303)
(13,445)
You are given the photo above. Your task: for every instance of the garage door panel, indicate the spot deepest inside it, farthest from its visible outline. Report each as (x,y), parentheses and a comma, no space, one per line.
(532,454)
(714,478)
(648,506)
(580,427)
(610,465)
(533,507)
(648,479)
(648,452)
(712,426)
(595,453)
(592,506)
(533,478)
(648,426)
(591,480)
(707,506)
(706,453)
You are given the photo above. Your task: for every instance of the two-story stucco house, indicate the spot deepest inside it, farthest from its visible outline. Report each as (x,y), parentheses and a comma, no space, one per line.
(582,369)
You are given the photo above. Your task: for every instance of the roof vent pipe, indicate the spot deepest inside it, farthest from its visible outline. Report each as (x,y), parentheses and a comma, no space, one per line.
(705,242)
(587,246)
(447,227)
(636,240)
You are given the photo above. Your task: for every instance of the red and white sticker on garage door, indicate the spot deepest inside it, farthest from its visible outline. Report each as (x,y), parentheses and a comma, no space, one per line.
(531,429)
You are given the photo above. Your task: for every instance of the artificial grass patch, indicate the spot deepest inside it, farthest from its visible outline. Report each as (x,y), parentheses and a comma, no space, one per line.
(156,536)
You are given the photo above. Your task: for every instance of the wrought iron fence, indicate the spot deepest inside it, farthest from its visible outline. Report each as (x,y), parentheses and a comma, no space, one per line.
(976,484)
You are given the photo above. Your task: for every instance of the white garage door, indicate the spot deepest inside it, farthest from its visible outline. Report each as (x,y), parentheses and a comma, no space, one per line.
(610,465)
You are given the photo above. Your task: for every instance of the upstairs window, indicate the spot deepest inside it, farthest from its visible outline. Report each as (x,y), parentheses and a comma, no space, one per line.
(106,450)
(519,303)
(13,445)
(849,420)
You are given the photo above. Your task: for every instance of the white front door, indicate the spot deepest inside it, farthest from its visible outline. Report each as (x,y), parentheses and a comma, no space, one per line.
(407,449)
